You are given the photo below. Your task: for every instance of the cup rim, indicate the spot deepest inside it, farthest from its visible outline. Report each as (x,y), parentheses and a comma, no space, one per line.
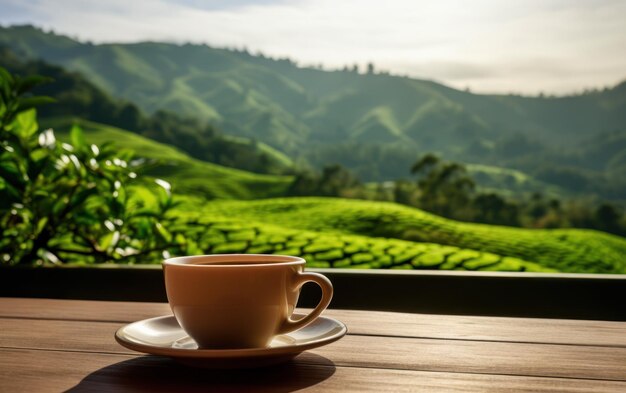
(231,259)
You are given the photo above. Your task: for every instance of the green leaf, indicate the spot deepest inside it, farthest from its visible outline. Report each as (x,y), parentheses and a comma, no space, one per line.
(41,224)
(77,137)
(164,233)
(164,193)
(25,123)
(180,239)
(59,206)
(143,229)
(166,185)
(9,194)
(109,240)
(11,173)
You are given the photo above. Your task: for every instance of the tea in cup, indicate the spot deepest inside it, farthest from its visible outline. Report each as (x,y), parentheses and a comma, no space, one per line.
(239,300)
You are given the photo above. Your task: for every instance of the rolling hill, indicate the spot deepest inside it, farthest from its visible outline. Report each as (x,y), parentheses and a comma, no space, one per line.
(566,250)
(278,102)
(291,108)
(77,97)
(217,233)
(231,228)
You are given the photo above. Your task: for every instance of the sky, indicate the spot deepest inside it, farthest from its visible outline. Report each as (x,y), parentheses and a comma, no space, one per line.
(488,46)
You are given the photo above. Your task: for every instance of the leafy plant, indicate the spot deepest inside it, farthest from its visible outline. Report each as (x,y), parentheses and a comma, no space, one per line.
(69,202)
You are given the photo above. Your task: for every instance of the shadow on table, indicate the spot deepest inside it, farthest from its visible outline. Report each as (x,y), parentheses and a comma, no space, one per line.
(160,374)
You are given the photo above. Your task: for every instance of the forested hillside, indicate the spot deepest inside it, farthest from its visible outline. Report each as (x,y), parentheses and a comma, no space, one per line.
(382,120)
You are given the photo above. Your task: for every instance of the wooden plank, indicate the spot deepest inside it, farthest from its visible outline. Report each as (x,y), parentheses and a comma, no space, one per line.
(529,330)
(51,371)
(82,310)
(359,322)
(546,360)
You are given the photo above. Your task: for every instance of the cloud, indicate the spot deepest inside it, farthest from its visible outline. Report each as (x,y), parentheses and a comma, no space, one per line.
(488,45)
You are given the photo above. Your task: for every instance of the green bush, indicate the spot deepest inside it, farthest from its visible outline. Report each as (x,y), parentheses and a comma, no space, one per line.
(73,202)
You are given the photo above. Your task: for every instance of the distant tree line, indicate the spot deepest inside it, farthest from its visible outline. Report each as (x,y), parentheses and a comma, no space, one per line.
(594,167)
(332,180)
(447,189)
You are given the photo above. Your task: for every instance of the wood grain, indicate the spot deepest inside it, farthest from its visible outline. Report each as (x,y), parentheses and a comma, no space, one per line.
(53,371)
(57,345)
(546,360)
(530,330)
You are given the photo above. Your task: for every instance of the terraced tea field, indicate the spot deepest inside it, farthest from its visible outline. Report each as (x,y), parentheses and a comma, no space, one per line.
(566,250)
(219,235)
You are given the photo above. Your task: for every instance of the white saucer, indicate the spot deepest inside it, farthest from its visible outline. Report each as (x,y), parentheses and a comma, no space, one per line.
(164,336)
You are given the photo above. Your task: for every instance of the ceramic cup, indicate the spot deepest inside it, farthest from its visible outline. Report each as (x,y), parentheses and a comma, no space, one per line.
(239,300)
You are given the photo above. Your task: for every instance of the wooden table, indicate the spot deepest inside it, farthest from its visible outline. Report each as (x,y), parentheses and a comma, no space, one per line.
(58,345)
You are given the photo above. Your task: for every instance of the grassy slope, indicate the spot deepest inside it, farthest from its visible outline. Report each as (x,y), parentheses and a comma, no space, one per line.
(188,175)
(568,250)
(274,154)
(221,231)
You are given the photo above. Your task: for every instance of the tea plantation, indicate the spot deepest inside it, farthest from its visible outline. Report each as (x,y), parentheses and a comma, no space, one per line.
(331,232)
(218,235)
(566,250)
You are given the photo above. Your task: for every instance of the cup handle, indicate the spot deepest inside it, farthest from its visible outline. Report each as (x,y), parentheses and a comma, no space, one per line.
(327,294)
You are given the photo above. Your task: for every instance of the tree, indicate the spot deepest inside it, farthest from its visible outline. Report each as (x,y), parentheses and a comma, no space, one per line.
(608,217)
(335,179)
(494,209)
(404,192)
(130,117)
(425,164)
(444,187)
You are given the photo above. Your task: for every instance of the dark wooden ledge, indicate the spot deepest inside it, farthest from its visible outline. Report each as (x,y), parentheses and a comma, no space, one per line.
(575,296)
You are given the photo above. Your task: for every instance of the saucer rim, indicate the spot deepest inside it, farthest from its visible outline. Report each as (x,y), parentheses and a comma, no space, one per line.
(290,349)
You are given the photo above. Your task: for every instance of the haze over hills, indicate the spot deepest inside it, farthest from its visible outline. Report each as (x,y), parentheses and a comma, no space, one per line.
(251,94)
(375,124)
